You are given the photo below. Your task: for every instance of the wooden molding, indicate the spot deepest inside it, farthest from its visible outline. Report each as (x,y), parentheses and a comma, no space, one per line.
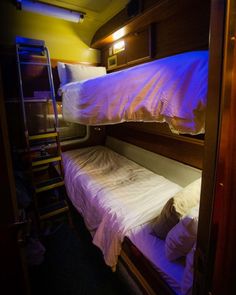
(180,148)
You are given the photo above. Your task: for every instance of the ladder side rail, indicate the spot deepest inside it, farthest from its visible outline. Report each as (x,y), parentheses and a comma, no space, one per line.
(53,96)
(51,84)
(26,132)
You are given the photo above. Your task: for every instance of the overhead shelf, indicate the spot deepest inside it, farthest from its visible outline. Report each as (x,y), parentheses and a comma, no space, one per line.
(150,14)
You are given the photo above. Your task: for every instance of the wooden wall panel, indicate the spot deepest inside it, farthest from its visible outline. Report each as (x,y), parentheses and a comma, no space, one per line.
(138,47)
(224,220)
(186,30)
(180,148)
(177,26)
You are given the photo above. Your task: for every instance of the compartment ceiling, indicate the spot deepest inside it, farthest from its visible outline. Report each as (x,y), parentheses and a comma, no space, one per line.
(97,12)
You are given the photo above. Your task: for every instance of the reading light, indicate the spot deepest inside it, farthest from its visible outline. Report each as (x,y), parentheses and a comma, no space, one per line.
(118,34)
(51,10)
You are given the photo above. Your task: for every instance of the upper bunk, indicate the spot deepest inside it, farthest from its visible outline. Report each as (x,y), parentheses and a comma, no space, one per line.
(171,89)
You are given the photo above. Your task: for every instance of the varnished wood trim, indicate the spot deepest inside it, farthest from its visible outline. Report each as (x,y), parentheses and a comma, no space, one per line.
(153,12)
(135,272)
(225,194)
(182,149)
(143,270)
(206,231)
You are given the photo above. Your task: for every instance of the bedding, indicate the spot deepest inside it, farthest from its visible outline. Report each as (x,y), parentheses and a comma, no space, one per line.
(187,280)
(77,72)
(171,89)
(154,250)
(181,238)
(178,206)
(113,194)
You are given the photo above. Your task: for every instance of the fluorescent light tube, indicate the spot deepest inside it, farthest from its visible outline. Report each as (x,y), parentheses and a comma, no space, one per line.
(50,10)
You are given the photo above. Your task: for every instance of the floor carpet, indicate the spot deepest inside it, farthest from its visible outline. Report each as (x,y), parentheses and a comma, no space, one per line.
(73,266)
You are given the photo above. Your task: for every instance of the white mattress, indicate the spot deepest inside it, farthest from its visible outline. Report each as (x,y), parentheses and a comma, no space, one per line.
(113,194)
(171,89)
(154,250)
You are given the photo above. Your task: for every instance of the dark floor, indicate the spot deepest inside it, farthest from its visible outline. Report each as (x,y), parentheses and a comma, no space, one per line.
(73,266)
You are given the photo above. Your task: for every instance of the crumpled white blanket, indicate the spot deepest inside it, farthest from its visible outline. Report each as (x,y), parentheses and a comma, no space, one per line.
(171,89)
(113,194)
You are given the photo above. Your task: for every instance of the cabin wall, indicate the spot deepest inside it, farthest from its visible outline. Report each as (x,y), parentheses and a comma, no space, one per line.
(163,28)
(64,39)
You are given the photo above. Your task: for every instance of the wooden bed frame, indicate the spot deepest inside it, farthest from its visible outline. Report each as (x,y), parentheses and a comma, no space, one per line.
(141,270)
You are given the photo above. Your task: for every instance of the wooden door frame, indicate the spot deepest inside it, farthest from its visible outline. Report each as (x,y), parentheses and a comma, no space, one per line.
(217,226)
(224,220)
(14,277)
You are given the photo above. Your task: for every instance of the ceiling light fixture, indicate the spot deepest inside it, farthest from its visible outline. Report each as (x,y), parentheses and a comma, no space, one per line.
(51,10)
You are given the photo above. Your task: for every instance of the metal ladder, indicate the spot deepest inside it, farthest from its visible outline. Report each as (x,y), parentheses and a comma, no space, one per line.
(43,150)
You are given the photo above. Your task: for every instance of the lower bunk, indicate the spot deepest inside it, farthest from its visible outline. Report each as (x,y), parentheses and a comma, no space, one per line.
(143,220)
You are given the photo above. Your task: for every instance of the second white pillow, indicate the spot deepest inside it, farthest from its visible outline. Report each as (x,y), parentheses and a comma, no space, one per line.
(182,236)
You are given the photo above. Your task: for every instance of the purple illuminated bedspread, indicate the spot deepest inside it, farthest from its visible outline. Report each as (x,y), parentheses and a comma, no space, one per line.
(171,89)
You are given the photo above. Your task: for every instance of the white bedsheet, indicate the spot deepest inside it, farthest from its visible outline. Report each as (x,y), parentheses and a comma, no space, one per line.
(172,90)
(154,250)
(113,194)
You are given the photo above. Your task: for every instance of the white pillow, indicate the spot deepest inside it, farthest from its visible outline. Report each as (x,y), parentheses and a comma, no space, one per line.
(76,72)
(187,281)
(80,72)
(61,68)
(181,238)
(176,208)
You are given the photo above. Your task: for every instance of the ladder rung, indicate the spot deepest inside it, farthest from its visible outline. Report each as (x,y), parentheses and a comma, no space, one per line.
(43,135)
(37,100)
(34,63)
(41,168)
(53,210)
(28,42)
(49,184)
(46,160)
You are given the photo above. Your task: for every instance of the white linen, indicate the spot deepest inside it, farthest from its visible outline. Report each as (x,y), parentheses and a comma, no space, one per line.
(187,281)
(71,72)
(153,249)
(80,72)
(172,90)
(181,238)
(113,194)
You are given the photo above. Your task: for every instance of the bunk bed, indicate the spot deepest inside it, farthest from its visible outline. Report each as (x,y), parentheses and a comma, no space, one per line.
(125,206)
(171,89)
